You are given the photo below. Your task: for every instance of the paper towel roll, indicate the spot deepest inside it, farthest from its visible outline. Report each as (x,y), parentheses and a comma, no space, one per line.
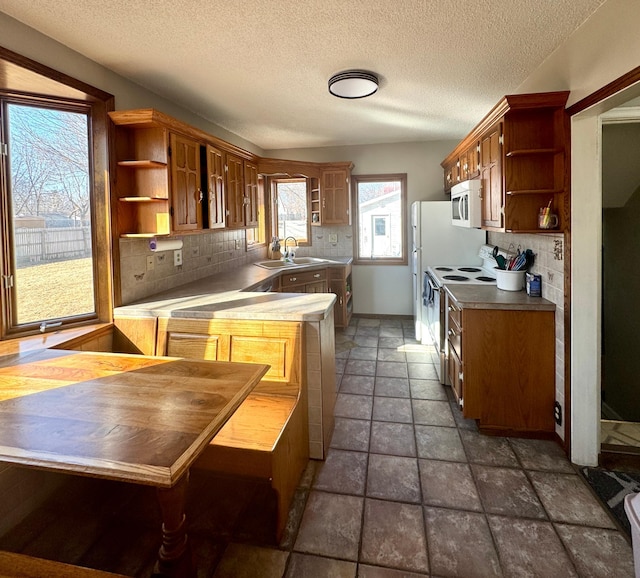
(165,244)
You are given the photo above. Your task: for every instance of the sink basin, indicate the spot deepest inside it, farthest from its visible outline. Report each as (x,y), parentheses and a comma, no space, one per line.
(273,264)
(297,262)
(308,260)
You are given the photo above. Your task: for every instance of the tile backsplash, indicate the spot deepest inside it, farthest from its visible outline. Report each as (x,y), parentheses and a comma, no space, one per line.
(549,264)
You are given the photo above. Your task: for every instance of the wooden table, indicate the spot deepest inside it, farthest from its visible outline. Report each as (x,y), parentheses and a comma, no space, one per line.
(132,418)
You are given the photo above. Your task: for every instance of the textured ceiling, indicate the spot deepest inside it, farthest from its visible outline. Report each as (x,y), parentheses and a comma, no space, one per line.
(259,68)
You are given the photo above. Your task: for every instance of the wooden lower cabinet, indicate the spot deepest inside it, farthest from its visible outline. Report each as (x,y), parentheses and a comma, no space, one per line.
(502,368)
(340,284)
(304,282)
(276,343)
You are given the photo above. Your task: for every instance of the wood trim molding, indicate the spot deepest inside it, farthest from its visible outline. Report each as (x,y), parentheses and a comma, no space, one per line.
(606,91)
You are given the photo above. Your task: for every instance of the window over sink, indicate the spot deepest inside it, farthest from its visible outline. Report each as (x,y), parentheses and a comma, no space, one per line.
(291,209)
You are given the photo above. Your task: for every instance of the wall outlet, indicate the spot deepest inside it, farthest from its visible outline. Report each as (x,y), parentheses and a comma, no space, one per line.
(557,413)
(150,263)
(177,258)
(238,244)
(333,238)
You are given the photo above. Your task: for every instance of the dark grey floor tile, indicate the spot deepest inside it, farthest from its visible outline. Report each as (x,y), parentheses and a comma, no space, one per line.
(430,412)
(391,369)
(360,367)
(598,553)
(305,566)
(340,365)
(460,544)
(488,450)
(393,536)
(364,353)
(368,331)
(354,406)
(439,443)
(427,389)
(367,322)
(296,509)
(342,472)
(365,571)
(241,561)
(507,491)
(567,499)
(309,474)
(387,331)
(392,387)
(461,421)
(331,526)
(422,371)
(392,409)
(530,548)
(393,478)
(351,434)
(358,384)
(541,455)
(393,355)
(448,484)
(396,439)
(391,342)
(365,340)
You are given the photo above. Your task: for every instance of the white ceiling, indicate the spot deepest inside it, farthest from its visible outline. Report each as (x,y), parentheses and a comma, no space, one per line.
(259,68)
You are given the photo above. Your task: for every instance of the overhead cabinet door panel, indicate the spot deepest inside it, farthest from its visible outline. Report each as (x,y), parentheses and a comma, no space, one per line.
(186,195)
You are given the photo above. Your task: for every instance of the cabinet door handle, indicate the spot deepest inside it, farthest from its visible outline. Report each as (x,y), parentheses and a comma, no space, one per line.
(317,275)
(293,278)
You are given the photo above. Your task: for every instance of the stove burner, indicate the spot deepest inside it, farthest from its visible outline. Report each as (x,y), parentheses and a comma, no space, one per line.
(455,277)
(443,268)
(485,279)
(469,269)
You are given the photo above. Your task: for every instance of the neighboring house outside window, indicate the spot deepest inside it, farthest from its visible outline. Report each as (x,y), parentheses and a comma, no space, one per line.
(380,219)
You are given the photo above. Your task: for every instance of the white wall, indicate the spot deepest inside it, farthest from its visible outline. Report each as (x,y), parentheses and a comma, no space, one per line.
(386,290)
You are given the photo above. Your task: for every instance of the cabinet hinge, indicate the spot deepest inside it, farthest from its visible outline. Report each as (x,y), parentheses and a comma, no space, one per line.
(4,149)
(7,281)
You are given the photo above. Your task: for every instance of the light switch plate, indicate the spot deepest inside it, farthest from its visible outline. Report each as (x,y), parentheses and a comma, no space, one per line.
(177,257)
(150,263)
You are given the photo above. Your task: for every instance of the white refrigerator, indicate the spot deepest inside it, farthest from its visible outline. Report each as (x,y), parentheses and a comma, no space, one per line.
(437,242)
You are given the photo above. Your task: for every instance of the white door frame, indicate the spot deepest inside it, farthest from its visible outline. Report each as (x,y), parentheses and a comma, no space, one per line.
(586,270)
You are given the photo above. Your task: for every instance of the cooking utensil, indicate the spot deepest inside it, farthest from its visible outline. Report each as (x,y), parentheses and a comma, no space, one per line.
(500,260)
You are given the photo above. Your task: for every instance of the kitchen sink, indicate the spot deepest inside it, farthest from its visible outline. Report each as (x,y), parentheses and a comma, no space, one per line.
(297,262)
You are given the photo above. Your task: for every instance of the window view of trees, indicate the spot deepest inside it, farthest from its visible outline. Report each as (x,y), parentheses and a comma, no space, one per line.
(49,196)
(291,202)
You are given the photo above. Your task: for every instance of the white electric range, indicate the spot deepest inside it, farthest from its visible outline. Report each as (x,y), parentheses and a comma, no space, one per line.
(434,301)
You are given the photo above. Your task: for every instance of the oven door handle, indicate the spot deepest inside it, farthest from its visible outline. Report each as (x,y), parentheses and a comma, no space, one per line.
(461,206)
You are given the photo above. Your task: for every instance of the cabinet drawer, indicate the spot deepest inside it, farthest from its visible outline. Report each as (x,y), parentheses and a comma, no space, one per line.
(454,335)
(454,312)
(302,277)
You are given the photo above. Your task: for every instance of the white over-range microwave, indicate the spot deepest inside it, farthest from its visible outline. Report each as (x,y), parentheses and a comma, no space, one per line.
(466,204)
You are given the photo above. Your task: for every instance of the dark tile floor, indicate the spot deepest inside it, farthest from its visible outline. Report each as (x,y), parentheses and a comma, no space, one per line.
(409,488)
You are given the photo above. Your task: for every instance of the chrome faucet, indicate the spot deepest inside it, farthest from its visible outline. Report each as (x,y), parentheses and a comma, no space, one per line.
(289,255)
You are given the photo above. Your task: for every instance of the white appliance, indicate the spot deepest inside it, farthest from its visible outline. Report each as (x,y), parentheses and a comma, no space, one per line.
(435,310)
(466,204)
(436,241)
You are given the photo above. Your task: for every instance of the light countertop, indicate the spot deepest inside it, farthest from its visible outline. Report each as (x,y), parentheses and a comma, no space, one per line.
(490,297)
(232,295)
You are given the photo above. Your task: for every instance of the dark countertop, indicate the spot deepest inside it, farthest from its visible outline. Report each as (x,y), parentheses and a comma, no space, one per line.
(233,295)
(490,297)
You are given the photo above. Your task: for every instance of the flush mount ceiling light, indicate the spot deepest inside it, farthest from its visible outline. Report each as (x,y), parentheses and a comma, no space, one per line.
(353,84)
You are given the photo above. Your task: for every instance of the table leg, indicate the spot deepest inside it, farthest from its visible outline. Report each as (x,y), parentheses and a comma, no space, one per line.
(174,556)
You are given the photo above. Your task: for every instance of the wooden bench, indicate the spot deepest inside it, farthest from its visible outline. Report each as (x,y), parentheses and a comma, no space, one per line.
(14,565)
(268,435)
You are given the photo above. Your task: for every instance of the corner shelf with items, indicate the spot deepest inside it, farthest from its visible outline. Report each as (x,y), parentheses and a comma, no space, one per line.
(142,181)
(315,208)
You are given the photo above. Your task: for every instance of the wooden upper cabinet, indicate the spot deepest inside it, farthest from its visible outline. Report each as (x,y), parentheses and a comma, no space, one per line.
(216,187)
(235,192)
(523,171)
(335,198)
(251,194)
(491,177)
(186,194)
